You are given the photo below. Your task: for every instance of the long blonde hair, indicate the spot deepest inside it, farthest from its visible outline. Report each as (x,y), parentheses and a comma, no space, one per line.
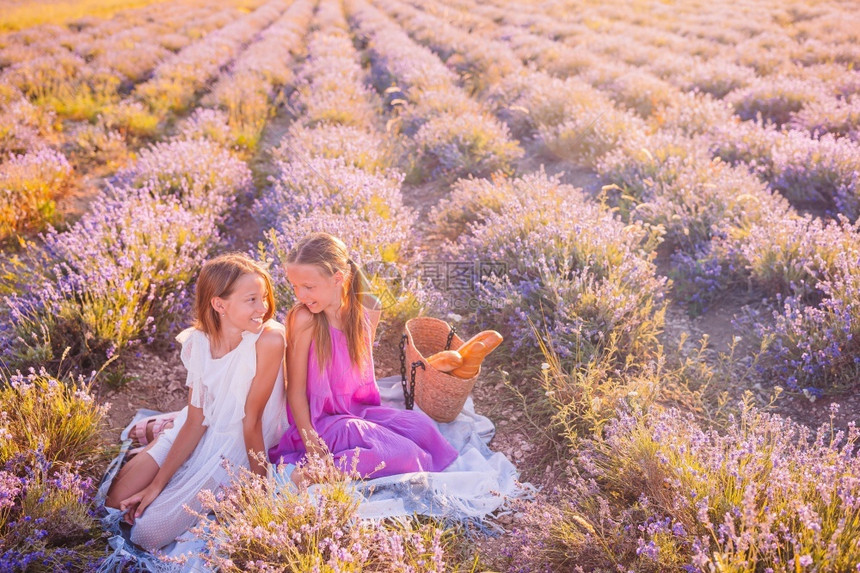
(329,255)
(218,279)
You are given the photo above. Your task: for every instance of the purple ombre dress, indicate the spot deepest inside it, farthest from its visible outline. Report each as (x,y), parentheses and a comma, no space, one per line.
(346,413)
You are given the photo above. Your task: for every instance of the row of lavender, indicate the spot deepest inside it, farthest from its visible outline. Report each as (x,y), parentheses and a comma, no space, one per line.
(720,220)
(106,114)
(335,168)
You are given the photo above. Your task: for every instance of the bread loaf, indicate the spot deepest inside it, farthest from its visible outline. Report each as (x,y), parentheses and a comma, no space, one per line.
(474,351)
(446,360)
(489,338)
(471,361)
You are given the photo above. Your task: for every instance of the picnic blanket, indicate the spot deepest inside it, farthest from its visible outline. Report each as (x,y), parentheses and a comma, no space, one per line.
(478,483)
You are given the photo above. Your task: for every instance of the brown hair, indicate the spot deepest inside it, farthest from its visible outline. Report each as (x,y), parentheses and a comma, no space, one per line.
(328,254)
(217,279)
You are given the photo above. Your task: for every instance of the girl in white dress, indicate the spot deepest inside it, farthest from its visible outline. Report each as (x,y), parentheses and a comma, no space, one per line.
(234,354)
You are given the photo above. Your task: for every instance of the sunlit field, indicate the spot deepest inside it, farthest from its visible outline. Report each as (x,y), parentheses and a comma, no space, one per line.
(655,202)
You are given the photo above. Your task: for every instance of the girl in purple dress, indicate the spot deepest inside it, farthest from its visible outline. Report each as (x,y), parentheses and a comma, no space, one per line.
(333,400)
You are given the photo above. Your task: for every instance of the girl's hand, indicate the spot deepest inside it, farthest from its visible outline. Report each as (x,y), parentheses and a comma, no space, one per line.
(135,505)
(316,447)
(314,444)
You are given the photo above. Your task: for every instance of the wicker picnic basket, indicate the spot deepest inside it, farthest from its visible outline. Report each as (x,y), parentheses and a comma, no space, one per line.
(439,394)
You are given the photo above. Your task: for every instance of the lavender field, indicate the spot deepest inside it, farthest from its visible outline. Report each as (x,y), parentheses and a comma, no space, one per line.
(655,202)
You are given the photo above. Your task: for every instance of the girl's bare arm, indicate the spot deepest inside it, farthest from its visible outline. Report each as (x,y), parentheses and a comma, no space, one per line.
(301,331)
(270,356)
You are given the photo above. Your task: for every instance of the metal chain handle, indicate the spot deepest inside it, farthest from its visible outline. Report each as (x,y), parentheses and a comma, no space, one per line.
(410,399)
(409,391)
(407,395)
(450,338)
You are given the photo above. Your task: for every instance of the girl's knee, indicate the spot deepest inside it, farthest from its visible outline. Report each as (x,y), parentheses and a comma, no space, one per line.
(146,536)
(157,527)
(133,477)
(116,493)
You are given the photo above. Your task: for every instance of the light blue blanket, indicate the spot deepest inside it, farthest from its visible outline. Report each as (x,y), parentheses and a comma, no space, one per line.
(477,484)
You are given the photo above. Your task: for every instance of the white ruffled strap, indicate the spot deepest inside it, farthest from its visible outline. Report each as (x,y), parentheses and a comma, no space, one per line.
(244,370)
(195,346)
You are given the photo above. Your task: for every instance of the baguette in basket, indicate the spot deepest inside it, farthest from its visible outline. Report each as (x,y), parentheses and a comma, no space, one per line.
(466,362)
(430,359)
(474,351)
(446,361)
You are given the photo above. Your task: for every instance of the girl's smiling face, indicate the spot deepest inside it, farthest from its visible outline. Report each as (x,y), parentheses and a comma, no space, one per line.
(246,306)
(314,289)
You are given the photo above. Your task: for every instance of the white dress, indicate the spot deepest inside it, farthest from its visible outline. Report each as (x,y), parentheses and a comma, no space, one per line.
(219,386)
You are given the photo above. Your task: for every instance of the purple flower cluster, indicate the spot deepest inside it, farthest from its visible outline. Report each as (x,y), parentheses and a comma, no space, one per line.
(335,187)
(122,272)
(816,346)
(820,173)
(640,91)
(59,418)
(694,113)
(775,99)
(572,269)
(717,77)
(47,518)
(469,202)
(52,441)
(670,180)
(765,492)
(201,174)
(366,149)
(312,531)
(206,123)
(465,144)
(840,117)
(26,127)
